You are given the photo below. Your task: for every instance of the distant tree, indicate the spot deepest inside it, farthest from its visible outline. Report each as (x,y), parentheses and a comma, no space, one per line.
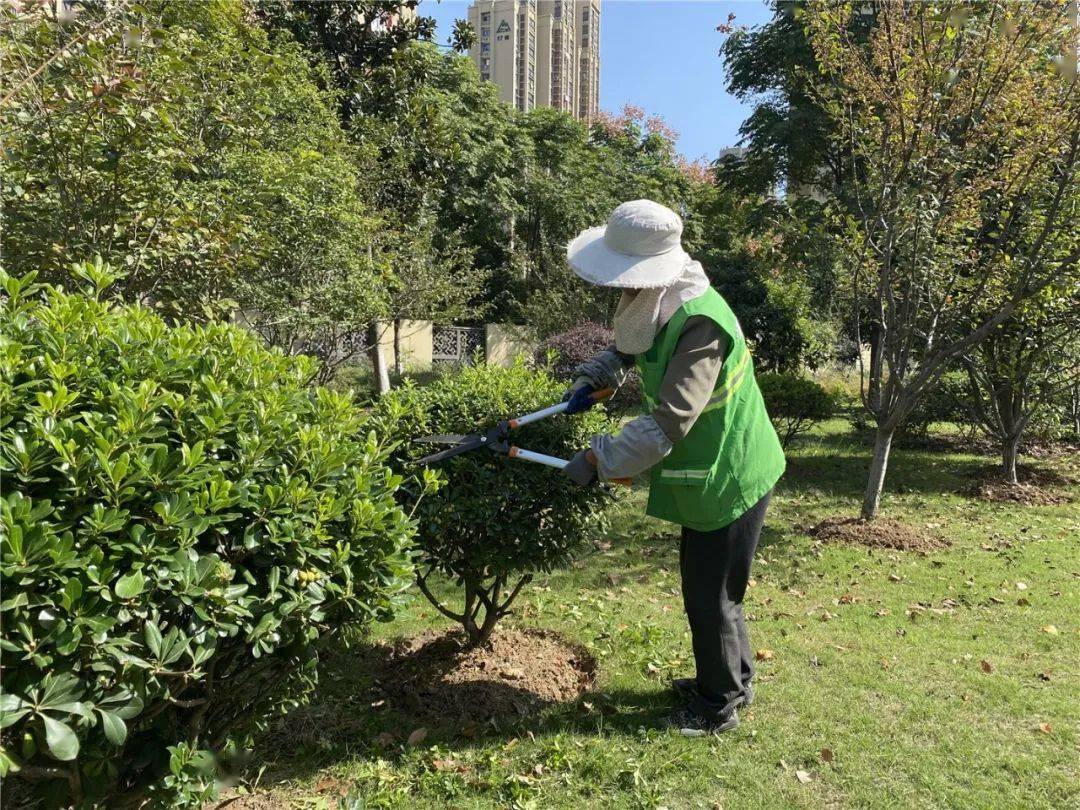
(181,144)
(773,262)
(446,160)
(961,121)
(788,135)
(1023,367)
(463,37)
(352,37)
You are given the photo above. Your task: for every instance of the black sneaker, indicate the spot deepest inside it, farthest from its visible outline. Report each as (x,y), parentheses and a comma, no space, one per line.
(687,687)
(694,725)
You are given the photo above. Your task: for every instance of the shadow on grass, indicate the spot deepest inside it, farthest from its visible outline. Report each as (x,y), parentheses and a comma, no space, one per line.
(838,465)
(350,718)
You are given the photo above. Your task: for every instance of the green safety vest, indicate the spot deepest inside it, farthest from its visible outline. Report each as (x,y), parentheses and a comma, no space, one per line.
(731,457)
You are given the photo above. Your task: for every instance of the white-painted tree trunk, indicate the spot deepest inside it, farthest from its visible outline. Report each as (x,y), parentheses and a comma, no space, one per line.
(875,482)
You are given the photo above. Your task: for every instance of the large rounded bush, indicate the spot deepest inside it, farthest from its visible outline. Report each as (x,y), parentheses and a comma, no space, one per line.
(567,350)
(184,522)
(496,520)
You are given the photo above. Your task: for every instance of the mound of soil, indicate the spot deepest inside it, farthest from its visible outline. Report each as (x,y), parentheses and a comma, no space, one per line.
(1036,486)
(434,677)
(879,533)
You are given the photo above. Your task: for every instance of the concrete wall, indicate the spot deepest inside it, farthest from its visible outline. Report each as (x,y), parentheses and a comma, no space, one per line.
(504,342)
(415,337)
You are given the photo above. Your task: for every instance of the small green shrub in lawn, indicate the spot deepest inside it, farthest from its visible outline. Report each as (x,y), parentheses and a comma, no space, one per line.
(497,519)
(949,400)
(184,522)
(795,404)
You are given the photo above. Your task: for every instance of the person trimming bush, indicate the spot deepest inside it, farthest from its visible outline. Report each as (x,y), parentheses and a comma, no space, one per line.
(706,438)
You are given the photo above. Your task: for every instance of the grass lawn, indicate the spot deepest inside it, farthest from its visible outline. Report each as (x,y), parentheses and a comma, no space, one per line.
(895,679)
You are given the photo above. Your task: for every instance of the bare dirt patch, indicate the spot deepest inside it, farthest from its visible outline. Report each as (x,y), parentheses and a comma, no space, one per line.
(1036,486)
(434,678)
(879,533)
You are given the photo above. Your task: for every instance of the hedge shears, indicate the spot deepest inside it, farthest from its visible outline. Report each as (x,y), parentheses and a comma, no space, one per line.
(497,439)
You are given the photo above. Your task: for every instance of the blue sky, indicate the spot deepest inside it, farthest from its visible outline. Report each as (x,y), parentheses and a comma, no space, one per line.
(661,55)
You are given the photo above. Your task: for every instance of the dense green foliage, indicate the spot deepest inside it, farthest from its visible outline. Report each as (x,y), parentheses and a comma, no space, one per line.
(496,520)
(786,136)
(795,404)
(773,264)
(186,147)
(184,522)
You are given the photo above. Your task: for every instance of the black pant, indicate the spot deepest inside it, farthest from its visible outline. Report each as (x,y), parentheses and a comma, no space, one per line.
(715,568)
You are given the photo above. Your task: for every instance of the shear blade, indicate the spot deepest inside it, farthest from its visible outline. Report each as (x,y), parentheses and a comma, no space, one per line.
(450,452)
(444,438)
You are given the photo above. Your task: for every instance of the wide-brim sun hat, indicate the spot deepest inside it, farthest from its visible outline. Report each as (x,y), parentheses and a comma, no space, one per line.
(639,248)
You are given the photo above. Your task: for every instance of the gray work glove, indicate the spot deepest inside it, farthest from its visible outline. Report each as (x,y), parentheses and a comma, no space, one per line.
(604,370)
(580,471)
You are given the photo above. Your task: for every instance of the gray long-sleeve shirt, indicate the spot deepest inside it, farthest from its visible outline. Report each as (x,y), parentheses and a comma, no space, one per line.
(688,384)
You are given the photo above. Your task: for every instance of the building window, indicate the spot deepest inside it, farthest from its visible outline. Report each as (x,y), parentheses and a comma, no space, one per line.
(485,33)
(485,17)
(485,47)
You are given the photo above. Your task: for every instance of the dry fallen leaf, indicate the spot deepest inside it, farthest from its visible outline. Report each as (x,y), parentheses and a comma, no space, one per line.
(826,755)
(803,777)
(1050,630)
(417,736)
(385,739)
(1020,586)
(764,655)
(447,765)
(986,666)
(330,784)
(1022,601)
(894,577)
(1045,728)
(468,730)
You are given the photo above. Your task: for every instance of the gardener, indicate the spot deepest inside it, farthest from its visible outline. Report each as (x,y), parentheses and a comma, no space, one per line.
(706,439)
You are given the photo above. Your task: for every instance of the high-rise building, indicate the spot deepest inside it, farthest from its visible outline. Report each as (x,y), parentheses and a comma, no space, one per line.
(588,23)
(532,50)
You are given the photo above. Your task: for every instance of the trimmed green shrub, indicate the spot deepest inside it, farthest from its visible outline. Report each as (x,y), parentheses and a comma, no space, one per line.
(795,404)
(497,520)
(185,521)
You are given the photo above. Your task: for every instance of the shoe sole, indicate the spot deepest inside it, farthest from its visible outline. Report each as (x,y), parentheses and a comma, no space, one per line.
(731,723)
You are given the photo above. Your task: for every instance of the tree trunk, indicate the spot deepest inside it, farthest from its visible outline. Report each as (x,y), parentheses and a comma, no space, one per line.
(378,361)
(876,480)
(1010,448)
(398,370)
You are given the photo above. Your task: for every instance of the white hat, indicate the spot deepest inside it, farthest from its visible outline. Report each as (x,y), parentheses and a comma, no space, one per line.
(638,248)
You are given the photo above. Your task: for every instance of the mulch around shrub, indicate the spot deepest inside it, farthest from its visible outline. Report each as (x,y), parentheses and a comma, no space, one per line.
(1036,486)
(433,677)
(879,533)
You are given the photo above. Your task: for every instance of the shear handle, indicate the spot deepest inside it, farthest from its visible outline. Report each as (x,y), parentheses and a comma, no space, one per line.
(553,461)
(536,416)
